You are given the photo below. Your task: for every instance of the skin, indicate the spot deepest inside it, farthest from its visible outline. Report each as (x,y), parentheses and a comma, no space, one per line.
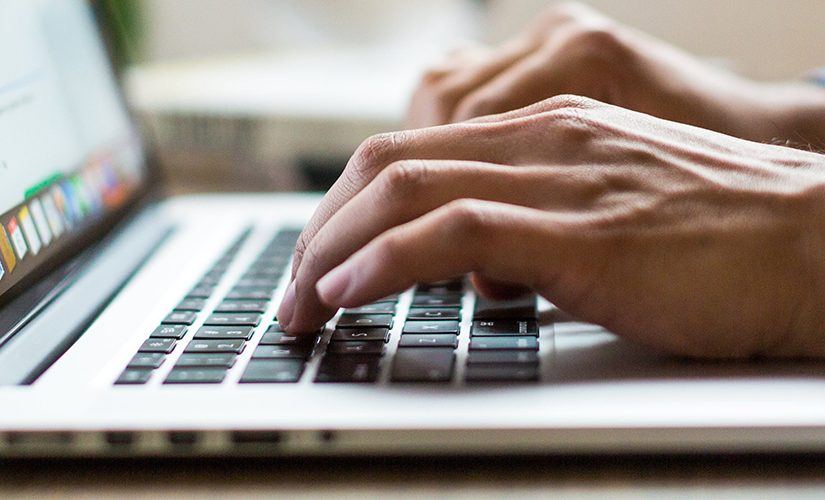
(572,49)
(674,236)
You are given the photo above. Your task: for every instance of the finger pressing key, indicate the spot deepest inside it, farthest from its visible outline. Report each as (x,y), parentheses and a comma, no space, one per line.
(462,236)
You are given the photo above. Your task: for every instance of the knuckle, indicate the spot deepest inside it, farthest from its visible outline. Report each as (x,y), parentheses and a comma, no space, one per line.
(375,152)
(571,102)
(309,256)
(573,125)
(301,246)
(432,76)
(601,47)
(476,105)
(440,87)
(446,94)
(465,217)
(391,247)
(404,178)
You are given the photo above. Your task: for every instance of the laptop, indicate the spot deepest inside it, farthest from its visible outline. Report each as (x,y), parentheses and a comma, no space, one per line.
(135,325)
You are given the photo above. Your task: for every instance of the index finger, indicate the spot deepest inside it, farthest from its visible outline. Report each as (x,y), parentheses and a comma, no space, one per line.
(463,236)
(448,142)
(469,141)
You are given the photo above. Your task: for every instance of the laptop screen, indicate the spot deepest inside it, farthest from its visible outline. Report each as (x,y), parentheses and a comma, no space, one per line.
(68,152)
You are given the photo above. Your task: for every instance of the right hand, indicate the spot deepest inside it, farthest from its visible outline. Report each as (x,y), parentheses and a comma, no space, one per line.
(572,49)
(676,237)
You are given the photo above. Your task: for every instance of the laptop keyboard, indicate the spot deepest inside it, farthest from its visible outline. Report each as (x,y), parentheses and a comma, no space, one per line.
(503,336)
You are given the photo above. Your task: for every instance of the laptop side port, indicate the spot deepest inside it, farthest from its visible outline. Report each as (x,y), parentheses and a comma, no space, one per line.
(183,439)
(327,437)
(257,438)
(119,439)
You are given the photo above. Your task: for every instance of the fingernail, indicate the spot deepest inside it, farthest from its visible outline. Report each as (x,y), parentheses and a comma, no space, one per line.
(333,287)
(287,306)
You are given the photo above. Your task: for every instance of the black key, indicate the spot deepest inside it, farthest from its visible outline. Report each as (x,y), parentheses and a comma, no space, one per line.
(365,320)
(276,327)
(359,334)
(219,360)
(504,343)
(214,275)
(211,346)
(502,373)
(158,345)
(271,262)
(277,337)
(348,369)
(263,371)
(429,340)
(502,357)
(281,352)
(202,292)
(423,365)
(242,306)
(441,287)
(134,376)
(196,376)
(269,273)
(376,308)
(191,304)
(250,293)
(147,360)
(431,327)
(288,236)
(423,313)
(520,308)
(169,332)
(211,279)
(180,318)
(428,300)
(224,332)
(258,282)
(366,347)
(233,319)
(222,264)
(224,261)
(493,327)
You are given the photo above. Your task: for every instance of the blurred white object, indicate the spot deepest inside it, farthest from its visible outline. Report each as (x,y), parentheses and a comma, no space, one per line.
(358,85)
(194,28)
(269,110)
(428,23)
(286,79)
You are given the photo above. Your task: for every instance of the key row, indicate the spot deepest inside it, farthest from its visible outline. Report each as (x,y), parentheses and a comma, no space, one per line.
(225,330)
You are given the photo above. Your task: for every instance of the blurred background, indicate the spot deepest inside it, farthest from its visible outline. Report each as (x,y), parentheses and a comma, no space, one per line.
(275,94)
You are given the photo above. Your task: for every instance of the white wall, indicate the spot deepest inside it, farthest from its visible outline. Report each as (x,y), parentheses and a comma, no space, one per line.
(763,38)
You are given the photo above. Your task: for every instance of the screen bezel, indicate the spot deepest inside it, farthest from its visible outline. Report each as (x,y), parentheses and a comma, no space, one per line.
(94,232)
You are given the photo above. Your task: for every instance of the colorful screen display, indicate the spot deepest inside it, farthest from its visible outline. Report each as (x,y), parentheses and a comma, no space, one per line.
(68,152)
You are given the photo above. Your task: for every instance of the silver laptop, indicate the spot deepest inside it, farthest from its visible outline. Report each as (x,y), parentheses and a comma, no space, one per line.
(132,325)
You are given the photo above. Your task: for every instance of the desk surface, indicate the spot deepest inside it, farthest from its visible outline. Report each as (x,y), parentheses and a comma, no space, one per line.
(727,477)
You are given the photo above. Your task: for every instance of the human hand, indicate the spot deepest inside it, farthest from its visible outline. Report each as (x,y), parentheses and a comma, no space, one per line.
(676,237)
(572,49)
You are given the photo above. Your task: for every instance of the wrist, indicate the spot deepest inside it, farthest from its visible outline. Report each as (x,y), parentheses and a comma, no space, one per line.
(806,336)
(794,116)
